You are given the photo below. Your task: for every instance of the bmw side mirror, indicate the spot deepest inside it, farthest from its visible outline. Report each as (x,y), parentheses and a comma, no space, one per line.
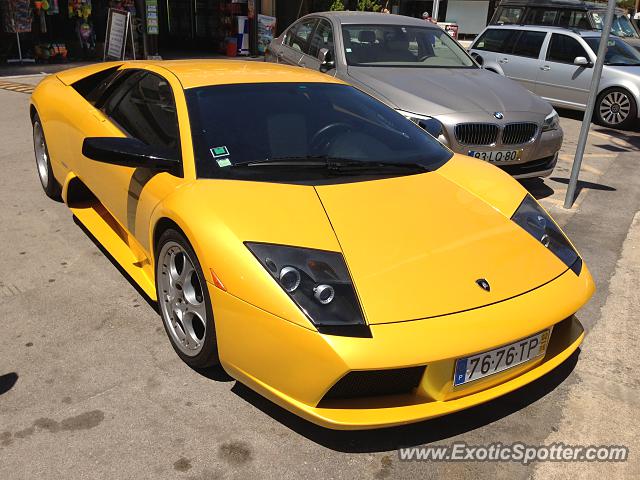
(129,152)
(326,59)
(582,61)
(432,127)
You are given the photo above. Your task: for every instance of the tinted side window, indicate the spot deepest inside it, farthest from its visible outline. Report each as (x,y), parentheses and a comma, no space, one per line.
(574,19)
(147,111)
(541,16)
(322,38)
(510,15)
(529,44)
(564,49)
(299,34)
(88,85)
(496,40)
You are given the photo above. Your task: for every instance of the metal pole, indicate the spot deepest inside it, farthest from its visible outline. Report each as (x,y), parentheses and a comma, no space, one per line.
(588,113)
(436,10)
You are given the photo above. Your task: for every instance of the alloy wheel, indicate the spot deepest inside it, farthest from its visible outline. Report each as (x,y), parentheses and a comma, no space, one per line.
(181,299)
(42,159)
(615,107)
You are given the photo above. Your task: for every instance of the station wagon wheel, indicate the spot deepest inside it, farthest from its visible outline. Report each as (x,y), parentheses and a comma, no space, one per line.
(43,164)
(616,108)
(184,301)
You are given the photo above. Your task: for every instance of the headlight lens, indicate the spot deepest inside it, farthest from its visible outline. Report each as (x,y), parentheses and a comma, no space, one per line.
(551,122)
(539,224)
(318,282)
(429,124)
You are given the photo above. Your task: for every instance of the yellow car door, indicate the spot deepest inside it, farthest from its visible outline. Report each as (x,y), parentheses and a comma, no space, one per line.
(142,106)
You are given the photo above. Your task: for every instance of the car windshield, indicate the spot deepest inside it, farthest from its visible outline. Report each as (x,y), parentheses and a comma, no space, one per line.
(402,46)
(290,131)
(618,52)
(621,25)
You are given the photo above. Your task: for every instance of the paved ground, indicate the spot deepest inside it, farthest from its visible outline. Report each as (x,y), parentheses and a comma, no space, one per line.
(90,387)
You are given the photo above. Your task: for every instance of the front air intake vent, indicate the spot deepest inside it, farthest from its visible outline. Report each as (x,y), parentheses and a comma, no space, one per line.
(373,383)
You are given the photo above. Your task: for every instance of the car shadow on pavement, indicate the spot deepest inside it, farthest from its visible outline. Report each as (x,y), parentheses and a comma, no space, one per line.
(441,428)
(7,381)
(537,187)
(152,303)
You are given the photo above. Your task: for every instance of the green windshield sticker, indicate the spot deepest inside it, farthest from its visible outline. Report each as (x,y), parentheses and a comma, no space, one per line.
(219,151)
(223,162)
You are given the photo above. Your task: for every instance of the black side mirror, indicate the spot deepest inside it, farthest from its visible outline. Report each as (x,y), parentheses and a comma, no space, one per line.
(326,59)
(129,152)
(432,126)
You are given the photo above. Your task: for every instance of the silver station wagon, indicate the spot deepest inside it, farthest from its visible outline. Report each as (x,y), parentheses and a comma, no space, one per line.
(418,69)
(557,64)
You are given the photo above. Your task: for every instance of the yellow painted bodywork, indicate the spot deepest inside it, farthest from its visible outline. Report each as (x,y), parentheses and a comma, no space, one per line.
(414,246)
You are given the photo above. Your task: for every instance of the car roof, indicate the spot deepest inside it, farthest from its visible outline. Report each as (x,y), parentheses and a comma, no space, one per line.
(546,28)
(199,73)
(373,18)
(572,4)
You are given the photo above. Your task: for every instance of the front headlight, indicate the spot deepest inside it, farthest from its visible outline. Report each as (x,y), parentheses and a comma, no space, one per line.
(551,122)
(429,124)
(539,224)
(318,282)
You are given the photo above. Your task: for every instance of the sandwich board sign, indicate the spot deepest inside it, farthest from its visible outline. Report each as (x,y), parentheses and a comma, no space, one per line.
(119,30)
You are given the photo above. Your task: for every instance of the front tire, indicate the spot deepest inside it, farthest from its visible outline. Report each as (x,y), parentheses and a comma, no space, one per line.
(616,108)
(183,301)
(43,163)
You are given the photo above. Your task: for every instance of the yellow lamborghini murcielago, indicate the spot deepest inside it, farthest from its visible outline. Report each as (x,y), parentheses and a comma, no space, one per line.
(325,250)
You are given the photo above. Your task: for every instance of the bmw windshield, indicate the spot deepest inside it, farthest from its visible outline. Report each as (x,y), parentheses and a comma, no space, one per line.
(402,46)
(303,132)
(618,52)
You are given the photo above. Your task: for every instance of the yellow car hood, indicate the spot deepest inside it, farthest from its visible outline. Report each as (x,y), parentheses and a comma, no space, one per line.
(415,246)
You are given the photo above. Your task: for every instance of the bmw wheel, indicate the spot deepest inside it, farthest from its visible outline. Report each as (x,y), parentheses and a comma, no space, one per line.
(184,302)
(43,163)
(616,108)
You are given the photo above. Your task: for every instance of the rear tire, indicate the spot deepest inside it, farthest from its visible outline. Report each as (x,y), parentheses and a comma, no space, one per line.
(616,108)
(43,163)
(184,302)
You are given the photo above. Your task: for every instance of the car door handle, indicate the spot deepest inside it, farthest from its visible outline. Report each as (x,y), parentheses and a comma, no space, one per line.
(504,60)
(545,68)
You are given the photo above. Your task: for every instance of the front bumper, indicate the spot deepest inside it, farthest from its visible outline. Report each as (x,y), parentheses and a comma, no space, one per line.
(295,367)
(538,158)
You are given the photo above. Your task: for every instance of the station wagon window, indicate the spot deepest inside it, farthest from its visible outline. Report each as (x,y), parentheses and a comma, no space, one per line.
(322,38)
(529,44)
(541,16)
(510,15)
(564,49)
(574,19)
(299,34)
(145,109)
(498,40)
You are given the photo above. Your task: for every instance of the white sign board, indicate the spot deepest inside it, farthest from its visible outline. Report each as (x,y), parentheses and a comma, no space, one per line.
(117,26)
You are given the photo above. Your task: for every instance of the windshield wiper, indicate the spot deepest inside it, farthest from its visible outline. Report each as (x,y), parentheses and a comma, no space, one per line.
(335,164)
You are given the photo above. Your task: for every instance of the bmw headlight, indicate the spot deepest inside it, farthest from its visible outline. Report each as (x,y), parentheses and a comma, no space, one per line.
(429,124)
(318,282)
(539,224)
(551,122)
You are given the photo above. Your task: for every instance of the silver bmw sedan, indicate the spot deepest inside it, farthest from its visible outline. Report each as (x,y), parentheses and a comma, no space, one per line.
(415,67)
